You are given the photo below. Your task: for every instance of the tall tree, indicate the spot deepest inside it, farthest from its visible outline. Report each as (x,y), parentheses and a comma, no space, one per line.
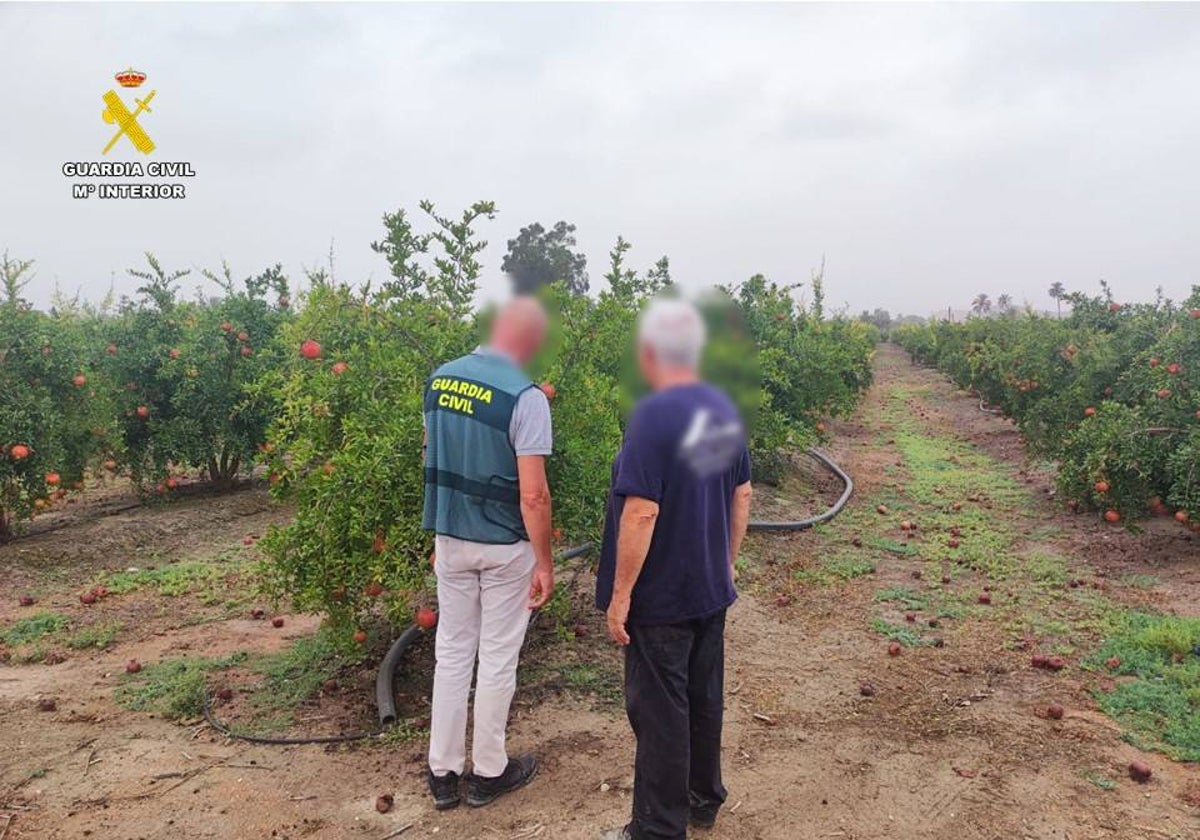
(982,304)
(1058,291)
(539,257)
(1004,303)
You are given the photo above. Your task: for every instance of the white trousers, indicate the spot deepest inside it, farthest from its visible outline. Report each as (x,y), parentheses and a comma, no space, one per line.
(483,598)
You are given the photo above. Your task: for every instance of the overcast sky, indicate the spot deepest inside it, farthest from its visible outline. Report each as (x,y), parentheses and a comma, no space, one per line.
(928,152)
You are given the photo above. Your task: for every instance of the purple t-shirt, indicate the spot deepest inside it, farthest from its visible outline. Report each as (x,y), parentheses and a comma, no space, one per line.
(684,448)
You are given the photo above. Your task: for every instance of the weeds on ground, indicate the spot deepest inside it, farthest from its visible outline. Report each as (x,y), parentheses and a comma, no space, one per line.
(26,630)
(903,596)
(907,636)
(173,688)
(1158,699)
(99,635)
(295,675)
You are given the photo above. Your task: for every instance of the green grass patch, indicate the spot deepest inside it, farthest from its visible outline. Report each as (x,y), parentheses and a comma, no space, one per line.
(908,599)
(1100,780)
(901,633)
(294,675)
(836,569)
(170,581)
(174,688)
(99,635)
(1140,581)
(1047,569)
(26,630)
(1159,701)
(892,546)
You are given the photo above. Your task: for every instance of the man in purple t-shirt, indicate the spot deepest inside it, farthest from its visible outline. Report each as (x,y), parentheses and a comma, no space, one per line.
(677,513)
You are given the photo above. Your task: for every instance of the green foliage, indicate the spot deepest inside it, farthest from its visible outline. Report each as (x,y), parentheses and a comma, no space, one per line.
(173,688)
(183,371)
(171,581)
(55,417)
(297,673)
(538,258)
(1112,392)
(1158,697)
(901,633)
(345,444)
(100,635)
(809,367)
(30,629)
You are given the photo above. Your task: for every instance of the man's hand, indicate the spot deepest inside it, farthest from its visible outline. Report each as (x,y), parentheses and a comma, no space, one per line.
(542,586)
(433,559)
(618,615)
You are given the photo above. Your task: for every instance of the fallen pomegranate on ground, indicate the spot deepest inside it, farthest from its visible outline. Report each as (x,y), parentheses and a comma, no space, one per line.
(1054,711)
(277,621)
(426,618)
(133,666)
(1140,772)
(894,649)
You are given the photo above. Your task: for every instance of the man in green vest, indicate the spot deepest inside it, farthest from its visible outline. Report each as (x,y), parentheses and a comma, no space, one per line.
(487,433)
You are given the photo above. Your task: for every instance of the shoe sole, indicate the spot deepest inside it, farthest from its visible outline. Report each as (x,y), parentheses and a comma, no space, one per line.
(479,803)
(446,804)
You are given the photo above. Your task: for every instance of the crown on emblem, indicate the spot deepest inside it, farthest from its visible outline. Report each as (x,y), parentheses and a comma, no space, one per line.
(130,78)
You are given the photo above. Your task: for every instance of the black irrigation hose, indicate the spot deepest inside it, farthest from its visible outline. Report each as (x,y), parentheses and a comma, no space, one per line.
(805,524)
(280,741)
(385,700)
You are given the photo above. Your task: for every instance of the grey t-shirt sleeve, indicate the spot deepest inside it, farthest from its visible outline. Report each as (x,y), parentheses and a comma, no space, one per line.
(529,429)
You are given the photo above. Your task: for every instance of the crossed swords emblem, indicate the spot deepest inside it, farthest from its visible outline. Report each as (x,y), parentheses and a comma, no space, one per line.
(117,114)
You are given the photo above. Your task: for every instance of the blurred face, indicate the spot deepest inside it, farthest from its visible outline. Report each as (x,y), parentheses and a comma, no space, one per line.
(520,329)
(528,341)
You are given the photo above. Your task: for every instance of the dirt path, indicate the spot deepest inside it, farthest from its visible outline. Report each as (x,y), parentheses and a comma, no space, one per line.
(952,743)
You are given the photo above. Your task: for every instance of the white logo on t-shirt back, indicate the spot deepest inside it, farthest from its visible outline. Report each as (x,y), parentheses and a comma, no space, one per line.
(709,447)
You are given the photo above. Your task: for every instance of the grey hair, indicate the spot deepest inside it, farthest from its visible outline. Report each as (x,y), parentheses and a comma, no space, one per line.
(674,330)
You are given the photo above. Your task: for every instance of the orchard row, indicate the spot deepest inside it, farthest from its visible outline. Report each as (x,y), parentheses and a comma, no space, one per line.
(324,392)
(1111,392)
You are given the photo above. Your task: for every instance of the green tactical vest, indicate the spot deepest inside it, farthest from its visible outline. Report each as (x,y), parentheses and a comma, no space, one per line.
(470,464)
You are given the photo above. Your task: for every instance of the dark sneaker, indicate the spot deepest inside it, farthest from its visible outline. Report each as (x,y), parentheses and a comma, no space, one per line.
(702,819)
(519,772)
(445,790)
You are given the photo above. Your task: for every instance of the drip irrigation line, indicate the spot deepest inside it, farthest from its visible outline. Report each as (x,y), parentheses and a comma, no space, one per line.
(385,700)
(225,730)
(805,524)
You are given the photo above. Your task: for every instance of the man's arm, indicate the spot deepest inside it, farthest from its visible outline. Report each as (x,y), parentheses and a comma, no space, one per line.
(634,533)
(737,526)
(536,513)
